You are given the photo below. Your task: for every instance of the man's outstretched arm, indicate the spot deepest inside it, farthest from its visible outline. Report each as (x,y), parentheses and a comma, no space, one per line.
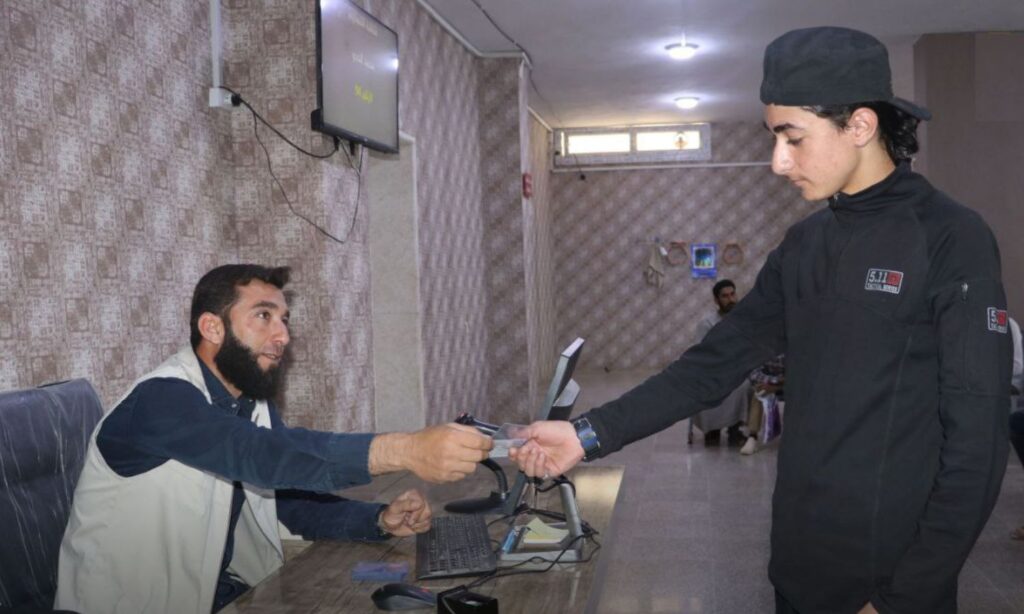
(704,375)
(170,419)
(443,453)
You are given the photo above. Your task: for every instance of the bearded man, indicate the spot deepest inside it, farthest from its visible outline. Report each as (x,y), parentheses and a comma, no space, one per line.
(185,480)
(731,413)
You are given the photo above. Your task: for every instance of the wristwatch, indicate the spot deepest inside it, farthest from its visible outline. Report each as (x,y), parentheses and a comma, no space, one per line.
(588,439)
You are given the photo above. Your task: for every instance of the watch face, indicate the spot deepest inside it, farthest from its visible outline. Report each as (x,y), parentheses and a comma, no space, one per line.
(588,438)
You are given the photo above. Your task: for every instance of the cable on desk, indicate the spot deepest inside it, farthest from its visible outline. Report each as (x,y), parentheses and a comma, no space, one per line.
(511,518)
(502,573)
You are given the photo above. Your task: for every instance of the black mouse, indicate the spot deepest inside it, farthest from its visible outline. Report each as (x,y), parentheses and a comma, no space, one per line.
(401,596)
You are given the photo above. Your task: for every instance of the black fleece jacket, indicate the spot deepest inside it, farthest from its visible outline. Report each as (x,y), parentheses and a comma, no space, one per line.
(889,307)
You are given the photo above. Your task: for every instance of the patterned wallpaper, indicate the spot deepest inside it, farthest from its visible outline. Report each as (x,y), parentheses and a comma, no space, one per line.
(114,186)
(438,89)
(502,206)
(330,381)
(606,225)
(119,188)
(270,60)
(538,226)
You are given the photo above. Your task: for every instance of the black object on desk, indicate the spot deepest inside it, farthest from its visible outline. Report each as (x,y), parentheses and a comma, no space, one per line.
(460,600)
(401,596)
(455,546)
(494,502)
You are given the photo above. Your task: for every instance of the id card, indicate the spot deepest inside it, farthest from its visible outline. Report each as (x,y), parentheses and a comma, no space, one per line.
(376,571)
(507,436)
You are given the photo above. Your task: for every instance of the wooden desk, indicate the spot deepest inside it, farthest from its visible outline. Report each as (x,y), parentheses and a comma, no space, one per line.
(319,578)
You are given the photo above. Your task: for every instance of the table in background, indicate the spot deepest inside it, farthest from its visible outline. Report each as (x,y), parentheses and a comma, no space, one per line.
(319,578)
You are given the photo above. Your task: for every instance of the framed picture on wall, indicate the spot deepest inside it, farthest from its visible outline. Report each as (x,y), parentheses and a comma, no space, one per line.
(703,260)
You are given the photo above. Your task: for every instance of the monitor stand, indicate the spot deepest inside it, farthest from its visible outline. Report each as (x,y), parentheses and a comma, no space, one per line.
(491,504)
(517,552)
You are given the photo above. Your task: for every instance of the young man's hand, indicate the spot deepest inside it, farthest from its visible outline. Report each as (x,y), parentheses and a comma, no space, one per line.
(552,449)
(408,514)
(443,453)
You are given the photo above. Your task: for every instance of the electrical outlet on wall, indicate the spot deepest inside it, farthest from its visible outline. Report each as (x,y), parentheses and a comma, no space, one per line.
(219,97)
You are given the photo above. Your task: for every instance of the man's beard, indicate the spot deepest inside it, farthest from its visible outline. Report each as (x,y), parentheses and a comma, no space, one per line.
(240,366)
(726,308)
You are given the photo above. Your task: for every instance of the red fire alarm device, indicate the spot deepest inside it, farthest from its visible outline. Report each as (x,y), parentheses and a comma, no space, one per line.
(527,185)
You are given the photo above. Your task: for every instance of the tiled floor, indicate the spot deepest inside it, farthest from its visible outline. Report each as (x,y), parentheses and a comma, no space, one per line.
(693,522)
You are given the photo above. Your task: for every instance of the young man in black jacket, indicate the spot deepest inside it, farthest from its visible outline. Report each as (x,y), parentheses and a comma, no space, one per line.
(889,306)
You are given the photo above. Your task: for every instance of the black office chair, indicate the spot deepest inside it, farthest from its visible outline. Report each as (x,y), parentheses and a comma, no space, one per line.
(44,434)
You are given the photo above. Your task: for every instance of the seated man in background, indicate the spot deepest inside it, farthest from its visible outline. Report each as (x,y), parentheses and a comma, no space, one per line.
(175,511)
(731,413)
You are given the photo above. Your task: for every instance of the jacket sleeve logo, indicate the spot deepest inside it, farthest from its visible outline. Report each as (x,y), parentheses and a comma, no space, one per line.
(997,320)
(884,280)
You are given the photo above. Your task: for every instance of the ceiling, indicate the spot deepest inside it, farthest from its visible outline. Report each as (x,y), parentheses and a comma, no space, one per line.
(603,62)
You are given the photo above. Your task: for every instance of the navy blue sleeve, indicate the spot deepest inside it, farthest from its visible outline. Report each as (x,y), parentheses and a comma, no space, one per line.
(171,419)
(321,516)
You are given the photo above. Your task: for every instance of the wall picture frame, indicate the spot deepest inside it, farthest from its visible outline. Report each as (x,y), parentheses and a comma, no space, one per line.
(704,260)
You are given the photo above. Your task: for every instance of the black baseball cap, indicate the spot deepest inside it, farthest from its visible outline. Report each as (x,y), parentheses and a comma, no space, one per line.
(830,66)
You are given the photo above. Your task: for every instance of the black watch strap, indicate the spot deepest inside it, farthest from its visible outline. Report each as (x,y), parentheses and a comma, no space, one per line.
(588,439)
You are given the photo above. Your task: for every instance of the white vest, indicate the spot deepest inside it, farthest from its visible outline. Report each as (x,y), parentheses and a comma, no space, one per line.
(154,542)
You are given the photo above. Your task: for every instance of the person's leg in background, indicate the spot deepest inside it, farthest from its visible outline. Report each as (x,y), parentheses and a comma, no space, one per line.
(755,417)
(735,436)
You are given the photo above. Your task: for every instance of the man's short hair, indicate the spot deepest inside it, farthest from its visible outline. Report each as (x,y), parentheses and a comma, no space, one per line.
(217,291)
(721,285)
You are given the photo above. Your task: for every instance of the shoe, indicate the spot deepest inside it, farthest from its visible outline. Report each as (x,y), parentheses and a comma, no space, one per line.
(750,447)
(735,437)
(712,438)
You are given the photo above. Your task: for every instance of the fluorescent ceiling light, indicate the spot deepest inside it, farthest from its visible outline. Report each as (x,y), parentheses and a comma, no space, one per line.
(680,51)
(687,102)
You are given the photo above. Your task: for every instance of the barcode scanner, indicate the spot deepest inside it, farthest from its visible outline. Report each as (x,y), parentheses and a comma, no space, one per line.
(497,498)
(484,427)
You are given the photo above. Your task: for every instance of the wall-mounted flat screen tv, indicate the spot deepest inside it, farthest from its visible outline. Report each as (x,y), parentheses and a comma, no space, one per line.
(357,76)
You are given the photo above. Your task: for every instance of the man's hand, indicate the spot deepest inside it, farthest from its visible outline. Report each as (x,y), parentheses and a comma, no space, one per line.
(868,609)
(553,448)
(443,453)
(408,513)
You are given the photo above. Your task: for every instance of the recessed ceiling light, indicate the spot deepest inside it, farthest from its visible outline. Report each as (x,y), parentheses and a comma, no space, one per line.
(687,102)
(680,51)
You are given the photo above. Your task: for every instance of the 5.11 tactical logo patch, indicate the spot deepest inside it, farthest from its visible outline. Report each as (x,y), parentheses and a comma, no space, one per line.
(884,280)
(997,320)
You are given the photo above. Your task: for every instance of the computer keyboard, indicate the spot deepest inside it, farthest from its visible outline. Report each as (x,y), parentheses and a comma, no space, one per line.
(457,545)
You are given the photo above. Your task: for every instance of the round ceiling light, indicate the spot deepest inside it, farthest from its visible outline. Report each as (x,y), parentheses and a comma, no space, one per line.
(687,102)
(680,51)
